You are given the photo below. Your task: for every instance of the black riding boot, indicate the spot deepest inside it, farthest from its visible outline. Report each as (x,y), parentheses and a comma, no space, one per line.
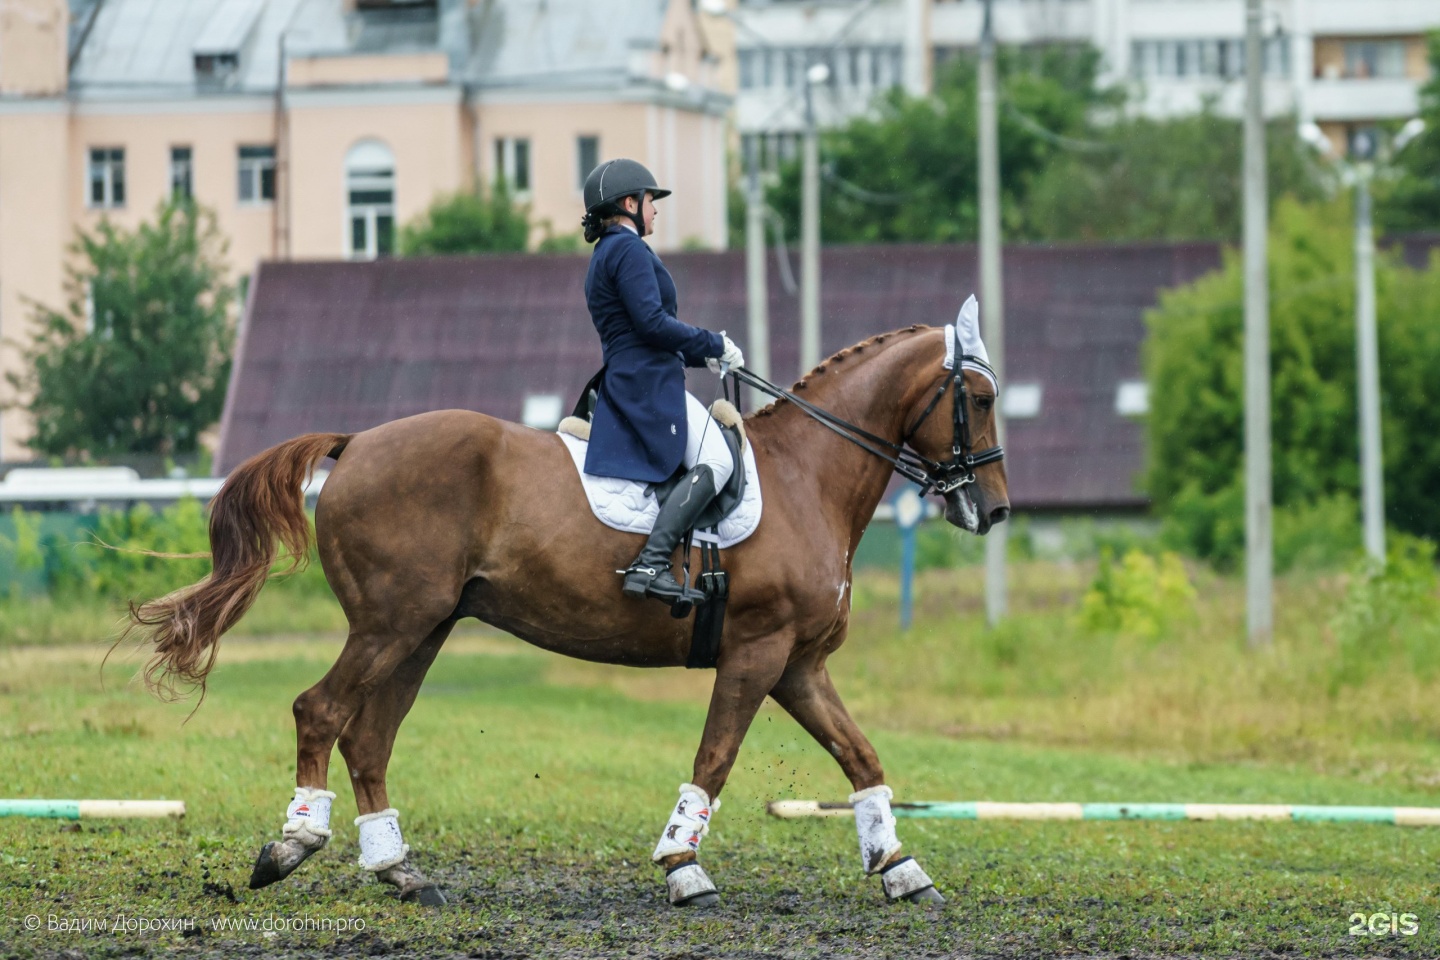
(649,575)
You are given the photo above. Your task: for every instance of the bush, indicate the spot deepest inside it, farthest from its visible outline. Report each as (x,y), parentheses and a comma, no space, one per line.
(1390,619)
(471,221)
(134,554)
(1140,595)
(1194,363)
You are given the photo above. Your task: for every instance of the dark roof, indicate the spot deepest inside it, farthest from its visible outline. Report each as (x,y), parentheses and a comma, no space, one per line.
(345,346)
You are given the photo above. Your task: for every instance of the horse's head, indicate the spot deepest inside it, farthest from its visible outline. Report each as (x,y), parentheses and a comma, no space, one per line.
(942,426)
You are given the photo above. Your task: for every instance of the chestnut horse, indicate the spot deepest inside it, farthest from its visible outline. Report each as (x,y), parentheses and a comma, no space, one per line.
(455,514)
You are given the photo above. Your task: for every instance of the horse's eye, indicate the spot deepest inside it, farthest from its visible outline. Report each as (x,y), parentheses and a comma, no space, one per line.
(984,403)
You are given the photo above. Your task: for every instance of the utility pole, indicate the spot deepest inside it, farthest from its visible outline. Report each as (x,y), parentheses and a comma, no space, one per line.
(810,228)
(757,292)
(1367,355)
(1259,549)
(992,299)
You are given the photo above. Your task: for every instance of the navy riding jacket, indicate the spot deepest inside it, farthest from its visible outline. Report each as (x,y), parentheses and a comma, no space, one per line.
(638,431)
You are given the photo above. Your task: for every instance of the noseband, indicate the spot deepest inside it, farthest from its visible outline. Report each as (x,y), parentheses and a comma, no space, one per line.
(941,476)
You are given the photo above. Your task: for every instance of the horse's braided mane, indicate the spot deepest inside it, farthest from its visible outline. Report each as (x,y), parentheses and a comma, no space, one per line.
(836,358)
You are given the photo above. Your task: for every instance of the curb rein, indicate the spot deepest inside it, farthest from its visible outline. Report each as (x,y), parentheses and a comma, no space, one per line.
(940,476)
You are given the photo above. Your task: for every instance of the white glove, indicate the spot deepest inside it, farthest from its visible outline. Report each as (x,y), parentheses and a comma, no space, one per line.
(731,357)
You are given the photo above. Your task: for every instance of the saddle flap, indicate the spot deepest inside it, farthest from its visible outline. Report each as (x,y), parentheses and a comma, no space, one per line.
(729,496)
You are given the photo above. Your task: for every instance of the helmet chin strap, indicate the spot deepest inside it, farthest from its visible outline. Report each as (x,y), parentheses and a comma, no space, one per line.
(638,217)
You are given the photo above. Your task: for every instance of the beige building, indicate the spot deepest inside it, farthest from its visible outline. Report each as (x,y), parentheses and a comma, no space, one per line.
(314,128)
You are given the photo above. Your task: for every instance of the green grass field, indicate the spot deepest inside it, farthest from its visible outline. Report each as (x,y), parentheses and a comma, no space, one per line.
(533,788)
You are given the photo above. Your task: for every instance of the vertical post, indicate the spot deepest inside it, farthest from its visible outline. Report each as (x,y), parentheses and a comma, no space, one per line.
(992,299)
(757,340)
(1367,353)
(810,239)
(1259,550)
(280,208)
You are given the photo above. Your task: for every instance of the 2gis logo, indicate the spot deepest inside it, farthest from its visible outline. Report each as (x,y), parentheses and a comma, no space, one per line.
(1384,924)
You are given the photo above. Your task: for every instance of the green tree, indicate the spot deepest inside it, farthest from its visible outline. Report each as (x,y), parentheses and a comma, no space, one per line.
(1194,363)
(909,173)
(138,360)
(1409,199)
(1172,179)
(470,221)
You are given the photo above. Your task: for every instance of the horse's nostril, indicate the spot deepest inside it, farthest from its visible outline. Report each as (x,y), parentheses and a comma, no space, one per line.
(999,515)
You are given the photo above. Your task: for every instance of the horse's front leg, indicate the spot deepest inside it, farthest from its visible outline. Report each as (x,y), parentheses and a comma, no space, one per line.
(806,693)
(743,678)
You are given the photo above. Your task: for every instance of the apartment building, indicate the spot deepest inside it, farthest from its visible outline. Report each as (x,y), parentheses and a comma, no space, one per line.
(316,128)
(1344,64)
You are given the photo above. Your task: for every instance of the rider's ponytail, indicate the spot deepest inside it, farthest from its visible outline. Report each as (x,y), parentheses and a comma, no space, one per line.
(594,225)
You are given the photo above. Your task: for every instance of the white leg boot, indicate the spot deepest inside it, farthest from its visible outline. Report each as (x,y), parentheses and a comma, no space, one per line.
(875,825)
(307,829)
(689,822)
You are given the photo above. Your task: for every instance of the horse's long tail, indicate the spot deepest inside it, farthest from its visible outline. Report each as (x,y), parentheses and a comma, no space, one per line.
(261,501)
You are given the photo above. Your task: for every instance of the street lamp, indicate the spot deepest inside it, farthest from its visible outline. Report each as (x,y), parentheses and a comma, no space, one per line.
(1367,352)
(815,74)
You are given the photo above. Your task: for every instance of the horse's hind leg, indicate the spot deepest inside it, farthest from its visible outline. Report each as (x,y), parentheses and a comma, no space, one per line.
(366,745)
(321,713)
(806,693)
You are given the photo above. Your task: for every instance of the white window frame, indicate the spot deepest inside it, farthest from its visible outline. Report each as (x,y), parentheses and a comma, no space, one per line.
(250,171)
(543,411)
(103,163)
(1021,401)
(369,168)
(1132,398)
(509,168)
(580,161)
(182,171)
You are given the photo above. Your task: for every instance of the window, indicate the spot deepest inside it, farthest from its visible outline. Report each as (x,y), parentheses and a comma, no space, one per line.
(1132,398)
(542,411)
(370,200)
(257,174)
(1020,401)
(181,182)
(587,155)
(512,163)
(749,63)
(1372,59)
(107,177)
(1221,57)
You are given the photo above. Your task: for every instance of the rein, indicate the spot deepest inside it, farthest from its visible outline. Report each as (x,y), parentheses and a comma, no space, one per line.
(941,476)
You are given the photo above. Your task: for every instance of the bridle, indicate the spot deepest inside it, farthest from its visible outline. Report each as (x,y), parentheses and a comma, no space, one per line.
(941,476)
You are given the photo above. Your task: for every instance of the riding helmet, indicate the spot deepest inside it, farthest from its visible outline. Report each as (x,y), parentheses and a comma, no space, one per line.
(614,179)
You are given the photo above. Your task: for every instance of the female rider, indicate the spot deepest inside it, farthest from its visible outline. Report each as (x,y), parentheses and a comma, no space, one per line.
(645,424)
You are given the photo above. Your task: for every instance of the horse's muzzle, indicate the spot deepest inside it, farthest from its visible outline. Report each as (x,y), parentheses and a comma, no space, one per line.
(962,510)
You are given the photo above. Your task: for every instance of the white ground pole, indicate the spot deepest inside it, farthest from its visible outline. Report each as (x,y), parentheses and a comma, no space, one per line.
(92,809)
(985,810)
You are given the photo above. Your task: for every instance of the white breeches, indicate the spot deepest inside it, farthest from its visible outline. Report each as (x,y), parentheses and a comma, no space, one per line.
(712,449)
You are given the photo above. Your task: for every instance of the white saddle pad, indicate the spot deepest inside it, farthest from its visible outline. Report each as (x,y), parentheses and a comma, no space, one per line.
(623,504)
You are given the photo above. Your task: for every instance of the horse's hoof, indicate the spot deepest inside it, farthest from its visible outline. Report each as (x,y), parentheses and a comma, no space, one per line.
(278,859)
(427,896)
(689,886)
(929,897)
(266,871)
(702,900)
